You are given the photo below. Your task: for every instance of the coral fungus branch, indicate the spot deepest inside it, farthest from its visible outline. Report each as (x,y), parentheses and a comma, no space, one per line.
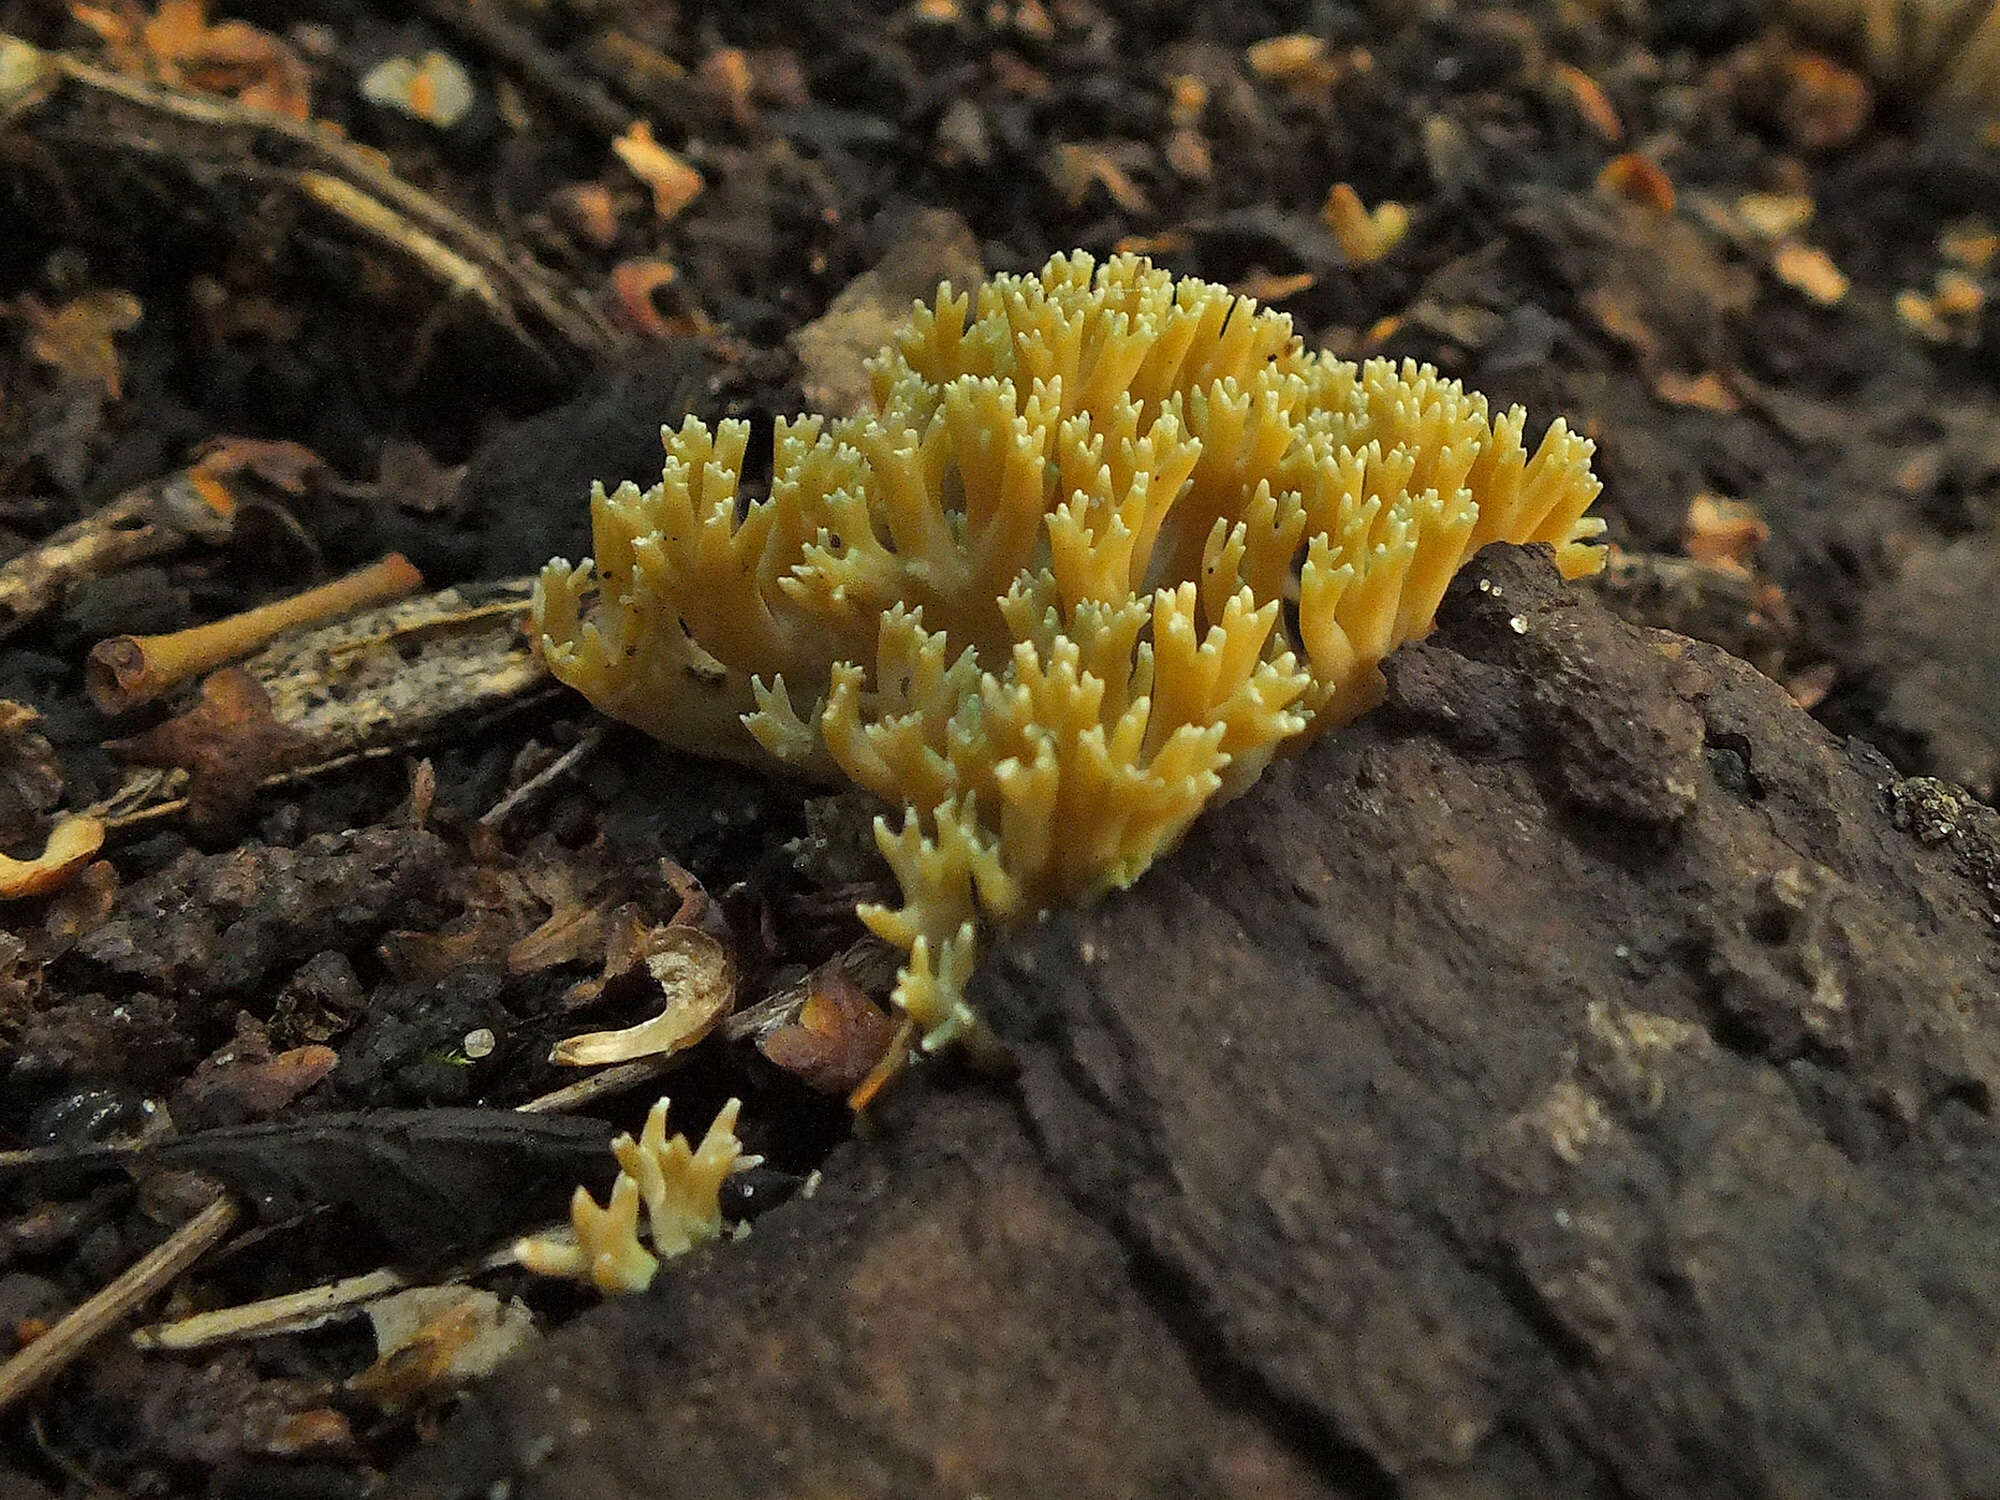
(1104,544)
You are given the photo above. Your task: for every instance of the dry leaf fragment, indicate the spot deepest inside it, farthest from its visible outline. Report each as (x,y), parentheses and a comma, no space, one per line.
(431,1340)
(1810,271)
(1297,60)
(675,184)
(434,88)
(1075,167)
(1970,243)
(1950,314)
(1775,215)
(80,337)
(228,743)
(697,980)
(1634,178)
(1366,235)
(838,1039)
(1591,102)
(1724,534)
(636,286)
(176,45)
(1704,392)
(589,210)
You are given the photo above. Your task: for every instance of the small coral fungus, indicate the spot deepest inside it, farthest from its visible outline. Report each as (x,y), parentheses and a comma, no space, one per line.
(1105,543)
(680,1187)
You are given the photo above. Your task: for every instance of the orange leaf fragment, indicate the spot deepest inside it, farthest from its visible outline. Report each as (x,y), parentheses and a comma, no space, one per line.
(80,337)
(1632,177)
(838,1040)
(1365,235)
(1810,271)
(675,184)
(1724,534)
(1591,102)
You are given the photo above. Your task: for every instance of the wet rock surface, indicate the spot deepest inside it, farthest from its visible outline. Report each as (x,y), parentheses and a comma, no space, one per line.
(1574,1078)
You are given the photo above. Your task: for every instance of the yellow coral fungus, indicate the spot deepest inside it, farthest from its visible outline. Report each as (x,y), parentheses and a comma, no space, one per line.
(1105,542)
(680,1186)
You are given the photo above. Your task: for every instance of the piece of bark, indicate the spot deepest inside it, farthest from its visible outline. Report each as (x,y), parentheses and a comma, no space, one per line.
(1571,1075)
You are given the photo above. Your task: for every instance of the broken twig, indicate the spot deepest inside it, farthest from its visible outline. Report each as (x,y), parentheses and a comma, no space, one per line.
(52,1353)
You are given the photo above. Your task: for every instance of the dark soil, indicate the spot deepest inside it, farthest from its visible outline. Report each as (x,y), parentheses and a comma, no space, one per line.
(1590,927)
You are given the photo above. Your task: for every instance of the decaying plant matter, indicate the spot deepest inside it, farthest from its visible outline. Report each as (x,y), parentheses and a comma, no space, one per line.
(1105,543)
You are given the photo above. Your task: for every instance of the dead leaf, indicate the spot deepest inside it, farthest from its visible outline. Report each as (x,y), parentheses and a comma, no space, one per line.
(1970,243)
(1704,392)
(1637,180)
(290,467)
(1365,235)
(1591,102)
(839,1038)
(176,45)
(80,337)
(1824,105)
(1775,215)
(1810,271)
(434,88)
(1298,61)
(589,210)
(432,1340)
(636,285)
(228,743)
(675,184)
(244,1080)
(1075,167)
(72,844)
(1267,286)
(1724,534)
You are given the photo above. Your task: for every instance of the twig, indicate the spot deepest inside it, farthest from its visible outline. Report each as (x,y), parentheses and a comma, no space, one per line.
(52,1353)
(602,1085)
(561,766)
(294,1312)
(141,523)
(327,170)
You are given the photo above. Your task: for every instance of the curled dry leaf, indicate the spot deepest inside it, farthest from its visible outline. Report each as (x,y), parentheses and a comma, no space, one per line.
(72,844)
(697,980)
(636,286)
